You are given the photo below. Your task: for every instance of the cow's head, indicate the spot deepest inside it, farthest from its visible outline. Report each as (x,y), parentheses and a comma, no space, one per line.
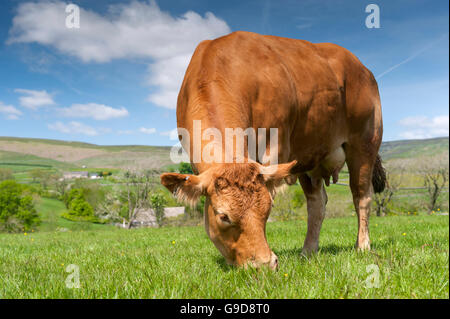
(238,202)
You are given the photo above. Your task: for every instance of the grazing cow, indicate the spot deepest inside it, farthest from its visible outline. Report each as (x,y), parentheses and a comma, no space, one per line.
(326,107)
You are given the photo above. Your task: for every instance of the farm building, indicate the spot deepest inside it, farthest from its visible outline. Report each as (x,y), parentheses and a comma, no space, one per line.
(72,175)
(94,176)
(147,218)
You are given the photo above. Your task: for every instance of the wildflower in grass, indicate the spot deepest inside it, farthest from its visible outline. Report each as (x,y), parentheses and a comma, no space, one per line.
(438,209)
(25,234)
(285,275)
(404,234)
(173,242)
(62,264)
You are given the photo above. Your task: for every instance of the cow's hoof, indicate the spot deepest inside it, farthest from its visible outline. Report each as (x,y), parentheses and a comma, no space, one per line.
(308,251)
(362,247)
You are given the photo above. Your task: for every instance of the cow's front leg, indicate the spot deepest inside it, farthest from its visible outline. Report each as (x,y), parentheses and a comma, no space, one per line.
(316,200)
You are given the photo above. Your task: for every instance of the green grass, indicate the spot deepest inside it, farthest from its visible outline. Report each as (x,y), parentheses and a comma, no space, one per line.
(112,148)
(109,156)
(414,148)
(50,211)
(19,162)
(411,253)
(127,155)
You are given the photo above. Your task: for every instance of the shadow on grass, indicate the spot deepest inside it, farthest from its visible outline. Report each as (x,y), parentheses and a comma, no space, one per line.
(327,249)
(331,249)
(223,264)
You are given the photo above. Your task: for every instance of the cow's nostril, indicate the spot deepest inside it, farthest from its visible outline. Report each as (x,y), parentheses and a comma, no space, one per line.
(274,262)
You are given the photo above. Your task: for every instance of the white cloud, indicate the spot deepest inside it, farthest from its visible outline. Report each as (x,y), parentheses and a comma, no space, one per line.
(420,127)
(9,111)
(172,134)
(147,130)
(133,30)
(34,99)
(143,130)
(73,128)
(93,110)
(168,75)
(125,132)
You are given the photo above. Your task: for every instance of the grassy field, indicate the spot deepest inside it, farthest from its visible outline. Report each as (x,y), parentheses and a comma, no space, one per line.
(411,251)
(70,154)
(411,254)
(413,148)
(50,211)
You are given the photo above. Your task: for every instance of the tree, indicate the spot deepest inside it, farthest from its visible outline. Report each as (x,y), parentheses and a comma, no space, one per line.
(71,195)
(36,173)
(434,171)
(158,202)
(110,207)
(393,183)
(298,198)
(79,208)
(17,210)
(137,191)
(6,174)
(185,168)
(61,184)
(42,176)
(284,207)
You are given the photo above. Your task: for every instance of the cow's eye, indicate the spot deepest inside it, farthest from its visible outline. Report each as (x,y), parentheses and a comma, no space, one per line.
(224,219)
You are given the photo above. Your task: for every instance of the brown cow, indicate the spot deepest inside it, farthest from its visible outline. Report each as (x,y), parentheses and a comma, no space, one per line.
(327,109)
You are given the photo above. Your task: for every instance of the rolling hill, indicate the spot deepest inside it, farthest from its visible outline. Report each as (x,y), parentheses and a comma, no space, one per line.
(30,152)
(67,154)
(414,148)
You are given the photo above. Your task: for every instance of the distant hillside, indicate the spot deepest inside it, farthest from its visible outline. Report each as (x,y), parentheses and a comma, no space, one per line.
(71,155)
(414,148)
(78,154)
(19,162)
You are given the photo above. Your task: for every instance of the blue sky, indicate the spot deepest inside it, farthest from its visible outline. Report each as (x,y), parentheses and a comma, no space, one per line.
(115,79)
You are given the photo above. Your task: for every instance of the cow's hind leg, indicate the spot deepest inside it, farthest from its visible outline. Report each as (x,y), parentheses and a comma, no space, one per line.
(316,200)
(360,165)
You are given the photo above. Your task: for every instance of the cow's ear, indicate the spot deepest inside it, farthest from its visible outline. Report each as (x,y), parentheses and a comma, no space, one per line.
(276,175)
(185,187)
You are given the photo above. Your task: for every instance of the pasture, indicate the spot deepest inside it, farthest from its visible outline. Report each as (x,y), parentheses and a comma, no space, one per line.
(410,247)
(73,155)
(411,253)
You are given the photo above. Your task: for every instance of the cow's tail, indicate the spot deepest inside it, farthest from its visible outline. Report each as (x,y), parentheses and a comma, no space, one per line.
(378,176)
